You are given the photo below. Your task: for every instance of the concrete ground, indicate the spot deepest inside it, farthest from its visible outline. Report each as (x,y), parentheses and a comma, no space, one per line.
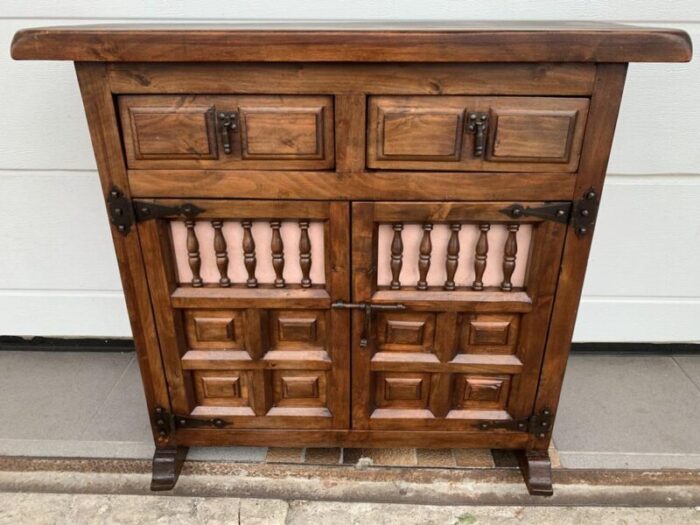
(70,509)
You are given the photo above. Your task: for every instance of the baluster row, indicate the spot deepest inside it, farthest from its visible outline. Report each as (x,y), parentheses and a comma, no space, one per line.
(510,250)
(249,253)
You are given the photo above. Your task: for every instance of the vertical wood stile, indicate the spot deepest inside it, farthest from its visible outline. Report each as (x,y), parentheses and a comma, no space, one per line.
(426,248)
(221,251)
(277,253)
(509,253)
(396,256)
(481,254)
(452,256)
(305,253)
(249,253)
(193,254)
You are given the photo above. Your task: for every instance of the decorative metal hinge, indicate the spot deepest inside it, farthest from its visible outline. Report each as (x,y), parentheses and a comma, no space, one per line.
(124,213)
(120,212)
(537,424)
(585,213)
(165,422)
(556,211)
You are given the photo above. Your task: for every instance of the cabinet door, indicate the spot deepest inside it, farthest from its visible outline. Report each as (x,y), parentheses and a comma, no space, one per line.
(463,295)
(242,293)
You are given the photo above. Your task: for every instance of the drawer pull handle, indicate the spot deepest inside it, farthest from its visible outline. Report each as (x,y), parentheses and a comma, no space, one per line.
(228,123)
(477,124)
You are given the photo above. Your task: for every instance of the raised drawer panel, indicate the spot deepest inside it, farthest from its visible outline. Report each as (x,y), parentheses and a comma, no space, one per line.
(476,133)
(228,132)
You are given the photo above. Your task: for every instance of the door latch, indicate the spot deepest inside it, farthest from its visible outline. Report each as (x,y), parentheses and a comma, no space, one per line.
(368,309)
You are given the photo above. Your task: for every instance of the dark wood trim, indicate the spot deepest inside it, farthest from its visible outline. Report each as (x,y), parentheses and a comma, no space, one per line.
(456,42)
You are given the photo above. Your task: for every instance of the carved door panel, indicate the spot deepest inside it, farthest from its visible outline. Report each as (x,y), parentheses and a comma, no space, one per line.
(242,292)
(460,296)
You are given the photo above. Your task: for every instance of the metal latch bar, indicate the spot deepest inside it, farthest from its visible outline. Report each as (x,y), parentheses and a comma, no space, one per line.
(368,308)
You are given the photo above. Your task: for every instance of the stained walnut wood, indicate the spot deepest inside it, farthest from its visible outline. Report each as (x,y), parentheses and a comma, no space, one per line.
(354,127)
(351,42)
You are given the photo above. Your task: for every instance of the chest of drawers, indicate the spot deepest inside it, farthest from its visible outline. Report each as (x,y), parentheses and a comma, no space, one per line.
(352,236)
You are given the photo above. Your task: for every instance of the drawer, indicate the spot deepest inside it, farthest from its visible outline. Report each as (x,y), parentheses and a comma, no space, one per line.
(228,132)
(456,133)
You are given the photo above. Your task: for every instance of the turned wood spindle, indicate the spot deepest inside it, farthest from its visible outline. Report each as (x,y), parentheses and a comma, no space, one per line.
(249,253)
(221,251)
(482,251)
(305,253)
(452,258)
(277,253)
(509,253)
(193,254)
(396,257)
(426,248)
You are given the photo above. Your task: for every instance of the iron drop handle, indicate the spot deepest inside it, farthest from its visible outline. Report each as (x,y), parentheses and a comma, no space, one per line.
(229,123)
(477,124)
(368,308)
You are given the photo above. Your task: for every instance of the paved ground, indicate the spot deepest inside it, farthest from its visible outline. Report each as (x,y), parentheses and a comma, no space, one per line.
(617,411)
(70,509)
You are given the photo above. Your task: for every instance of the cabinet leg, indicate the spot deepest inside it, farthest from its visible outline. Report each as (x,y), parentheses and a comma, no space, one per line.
(537,471)
(167,464)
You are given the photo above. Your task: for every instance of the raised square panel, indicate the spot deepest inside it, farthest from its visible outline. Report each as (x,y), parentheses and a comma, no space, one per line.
(299,388)
(405,332)
(172,132)
(402,390)
(298,329)
(489,334)
(221,387)
(215,329)
(481,391)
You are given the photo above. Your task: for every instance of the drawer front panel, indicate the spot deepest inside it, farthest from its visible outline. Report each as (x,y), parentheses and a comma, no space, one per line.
(246,132)
(476,133)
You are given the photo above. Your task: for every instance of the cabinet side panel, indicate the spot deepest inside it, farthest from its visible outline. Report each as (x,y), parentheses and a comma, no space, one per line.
(104,133)
(605,104)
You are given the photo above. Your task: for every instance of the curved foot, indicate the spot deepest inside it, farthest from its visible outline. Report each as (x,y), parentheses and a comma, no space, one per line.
(537,471)
(167,464)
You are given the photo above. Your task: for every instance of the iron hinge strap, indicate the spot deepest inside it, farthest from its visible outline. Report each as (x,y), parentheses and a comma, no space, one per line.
(165,422)
(581,214)
(537,424)
(124,213)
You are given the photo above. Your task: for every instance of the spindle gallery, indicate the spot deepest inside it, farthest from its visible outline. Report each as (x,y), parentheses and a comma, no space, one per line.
(353,236)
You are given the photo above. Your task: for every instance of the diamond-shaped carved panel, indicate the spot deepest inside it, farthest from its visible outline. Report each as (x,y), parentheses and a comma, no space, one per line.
(215,329)
(405,332)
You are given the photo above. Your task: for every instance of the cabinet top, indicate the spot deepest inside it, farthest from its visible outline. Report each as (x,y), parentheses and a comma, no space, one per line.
(433,41)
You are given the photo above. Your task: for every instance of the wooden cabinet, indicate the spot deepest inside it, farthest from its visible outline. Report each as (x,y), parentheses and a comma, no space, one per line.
(333,237)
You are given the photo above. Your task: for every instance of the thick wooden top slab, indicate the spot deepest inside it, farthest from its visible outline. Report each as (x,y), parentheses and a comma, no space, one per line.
(356,41)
